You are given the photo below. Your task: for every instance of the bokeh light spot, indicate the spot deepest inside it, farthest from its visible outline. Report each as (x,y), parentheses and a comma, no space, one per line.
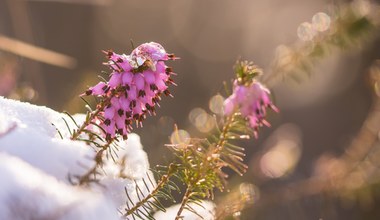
(193,115)
(216,104)
(203,121)
(305,31)
(279,160)
(207,125)
(249,192)
(180,137)
(321,21)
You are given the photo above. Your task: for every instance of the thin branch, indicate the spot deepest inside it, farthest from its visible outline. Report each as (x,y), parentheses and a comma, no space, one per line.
(223,135)
(184,201)
(88,121)
(162,182)
(86,178)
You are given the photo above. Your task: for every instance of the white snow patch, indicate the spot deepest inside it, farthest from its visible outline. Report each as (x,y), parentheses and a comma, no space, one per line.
(35,140)
(27,193)
(135,168)
(35,163)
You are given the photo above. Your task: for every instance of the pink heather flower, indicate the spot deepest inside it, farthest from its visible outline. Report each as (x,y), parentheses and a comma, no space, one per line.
(99,89)
(252,102)
(134,88)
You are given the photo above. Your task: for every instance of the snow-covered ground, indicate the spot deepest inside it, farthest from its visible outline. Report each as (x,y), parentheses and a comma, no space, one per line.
(35,165)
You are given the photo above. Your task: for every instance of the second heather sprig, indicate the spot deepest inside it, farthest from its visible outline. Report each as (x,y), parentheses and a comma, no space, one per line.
(203,160)
(249,96)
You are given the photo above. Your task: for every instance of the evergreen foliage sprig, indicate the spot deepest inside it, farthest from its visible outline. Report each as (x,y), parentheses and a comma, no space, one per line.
(202,160)
(349,28)
(161,191)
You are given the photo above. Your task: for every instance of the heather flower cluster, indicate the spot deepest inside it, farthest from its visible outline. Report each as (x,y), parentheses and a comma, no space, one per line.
(134,88)
(252,100)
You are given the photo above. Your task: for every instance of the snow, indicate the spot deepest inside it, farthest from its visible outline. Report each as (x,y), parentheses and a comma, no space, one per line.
(35,163)
(28,193)
(135,169)
(35,140)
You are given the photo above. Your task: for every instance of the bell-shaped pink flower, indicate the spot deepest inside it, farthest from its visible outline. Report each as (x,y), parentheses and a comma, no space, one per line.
(252,102)
(127,78)
(109,112)
(115,80)
(137,81)
(97,90)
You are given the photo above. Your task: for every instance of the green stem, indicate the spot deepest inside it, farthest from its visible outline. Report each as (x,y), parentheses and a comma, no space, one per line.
(184,201)
(78,131)
(164,179)
(219,147)
(223,135)
(86,178)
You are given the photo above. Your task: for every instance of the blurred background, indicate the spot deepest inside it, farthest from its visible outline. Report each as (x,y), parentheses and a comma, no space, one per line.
(50,51)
